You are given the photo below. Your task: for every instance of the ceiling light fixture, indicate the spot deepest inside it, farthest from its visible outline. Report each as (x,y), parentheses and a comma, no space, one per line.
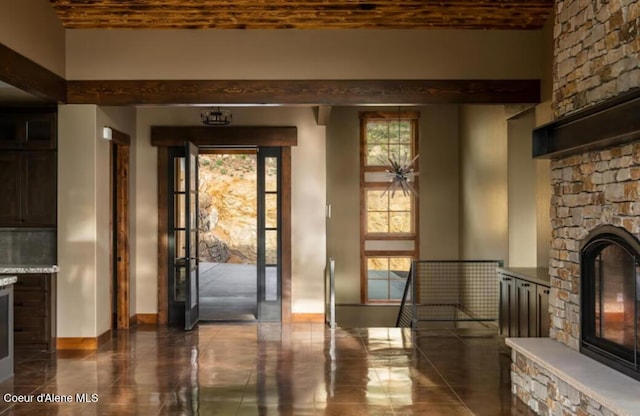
(216,117)
(401,173)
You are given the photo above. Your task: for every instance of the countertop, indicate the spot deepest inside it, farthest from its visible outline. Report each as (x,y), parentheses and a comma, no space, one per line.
(27,268)
(7,280)
(539,275)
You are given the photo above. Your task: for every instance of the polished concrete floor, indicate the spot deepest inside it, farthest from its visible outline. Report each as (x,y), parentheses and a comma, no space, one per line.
(269,369)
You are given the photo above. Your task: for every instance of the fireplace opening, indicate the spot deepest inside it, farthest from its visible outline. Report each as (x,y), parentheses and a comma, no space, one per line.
(610,268)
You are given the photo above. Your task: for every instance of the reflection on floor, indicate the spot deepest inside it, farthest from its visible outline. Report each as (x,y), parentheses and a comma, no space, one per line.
(268,369)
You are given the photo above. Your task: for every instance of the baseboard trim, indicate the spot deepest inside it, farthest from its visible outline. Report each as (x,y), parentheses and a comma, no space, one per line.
(307,318)
(147,318)
(83,343)
(133,320)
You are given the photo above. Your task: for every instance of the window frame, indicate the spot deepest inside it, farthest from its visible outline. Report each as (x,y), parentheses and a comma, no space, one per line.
(365,235)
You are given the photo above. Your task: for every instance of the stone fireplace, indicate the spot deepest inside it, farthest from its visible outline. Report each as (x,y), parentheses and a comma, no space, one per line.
(594,147)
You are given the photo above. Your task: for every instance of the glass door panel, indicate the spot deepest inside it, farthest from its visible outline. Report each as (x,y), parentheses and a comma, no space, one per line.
(269,220)
(191,311)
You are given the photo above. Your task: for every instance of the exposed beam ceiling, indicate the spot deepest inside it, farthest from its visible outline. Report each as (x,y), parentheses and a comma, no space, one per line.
(303,14)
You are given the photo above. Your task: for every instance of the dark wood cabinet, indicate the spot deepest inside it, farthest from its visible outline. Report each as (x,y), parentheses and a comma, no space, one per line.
(524,307)
(10,211)
(28,183)
(543,307)
(25,131)
(35,311)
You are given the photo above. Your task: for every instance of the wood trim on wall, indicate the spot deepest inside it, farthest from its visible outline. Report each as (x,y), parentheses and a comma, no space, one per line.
(224,136)
(147,318)
(23,73)
(285,206)
(163,235)
(296,92)
(307,318)
(83,343)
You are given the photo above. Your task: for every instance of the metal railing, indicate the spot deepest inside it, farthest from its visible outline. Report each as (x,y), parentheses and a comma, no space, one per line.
(330,293)
(450,291)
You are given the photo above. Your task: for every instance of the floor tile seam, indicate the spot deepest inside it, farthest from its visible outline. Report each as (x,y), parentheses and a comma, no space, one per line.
(444,379)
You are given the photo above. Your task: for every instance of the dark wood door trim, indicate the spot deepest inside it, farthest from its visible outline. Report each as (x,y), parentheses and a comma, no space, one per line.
(120,150)
(304,92)
(25,74)
(174,136)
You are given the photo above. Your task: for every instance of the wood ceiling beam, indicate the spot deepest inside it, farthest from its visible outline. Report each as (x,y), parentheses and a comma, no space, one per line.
(24,74)
(302,92)
(297,14)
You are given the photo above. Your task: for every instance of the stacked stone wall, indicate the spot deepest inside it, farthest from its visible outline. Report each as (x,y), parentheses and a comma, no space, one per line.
(590,189)
(597,49)
(546,394)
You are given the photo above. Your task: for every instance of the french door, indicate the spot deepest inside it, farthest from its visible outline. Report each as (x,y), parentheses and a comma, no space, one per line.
(183,241)
(183,236)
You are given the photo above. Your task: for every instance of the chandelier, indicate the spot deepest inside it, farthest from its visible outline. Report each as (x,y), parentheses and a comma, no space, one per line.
(216,117)
(400,177)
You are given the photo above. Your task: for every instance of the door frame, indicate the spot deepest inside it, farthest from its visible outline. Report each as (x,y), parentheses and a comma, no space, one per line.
(120,224)
(174,136)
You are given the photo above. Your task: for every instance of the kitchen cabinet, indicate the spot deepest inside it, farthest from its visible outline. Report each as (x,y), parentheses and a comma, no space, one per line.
(28,182)
(28,130)
(35,311)
(524,303)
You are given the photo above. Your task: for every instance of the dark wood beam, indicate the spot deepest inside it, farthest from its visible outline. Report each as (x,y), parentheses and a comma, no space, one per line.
(303,92)
(31,77)
(166,136)
(610,123)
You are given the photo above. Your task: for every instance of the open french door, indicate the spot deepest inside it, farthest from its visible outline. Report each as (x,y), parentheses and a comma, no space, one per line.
(269,235)
(191,304)
(183,241)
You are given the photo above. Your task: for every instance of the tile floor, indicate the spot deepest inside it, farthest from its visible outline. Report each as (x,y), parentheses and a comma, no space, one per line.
(267,369)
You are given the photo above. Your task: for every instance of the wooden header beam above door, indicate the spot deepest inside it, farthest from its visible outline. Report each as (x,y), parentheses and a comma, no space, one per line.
(303,92)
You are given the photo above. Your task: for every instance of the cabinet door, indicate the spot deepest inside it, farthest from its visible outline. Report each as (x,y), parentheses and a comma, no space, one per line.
(10,188)
(527,311)
(39,188)
(543,317)
(11,131)
(40,131)
(507,306)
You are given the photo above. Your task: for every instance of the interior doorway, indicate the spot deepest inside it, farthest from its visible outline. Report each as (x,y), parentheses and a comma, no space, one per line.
(228,234)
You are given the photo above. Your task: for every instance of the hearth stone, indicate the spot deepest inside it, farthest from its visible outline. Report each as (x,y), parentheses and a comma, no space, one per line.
(553,379)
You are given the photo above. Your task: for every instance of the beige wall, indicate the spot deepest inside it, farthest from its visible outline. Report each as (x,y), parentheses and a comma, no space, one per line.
(483,183)
(308,199)
(521,192)
(77,221)
(31,28)
(438,167)
(84,220)
(302,54)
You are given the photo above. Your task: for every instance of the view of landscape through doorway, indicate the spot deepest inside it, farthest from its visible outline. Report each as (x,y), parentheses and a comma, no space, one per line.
(227,246)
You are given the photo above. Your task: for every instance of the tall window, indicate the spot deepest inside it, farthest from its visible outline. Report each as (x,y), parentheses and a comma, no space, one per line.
(389,219)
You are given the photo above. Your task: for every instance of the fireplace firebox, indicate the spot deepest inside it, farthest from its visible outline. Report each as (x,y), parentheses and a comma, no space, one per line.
(610,293)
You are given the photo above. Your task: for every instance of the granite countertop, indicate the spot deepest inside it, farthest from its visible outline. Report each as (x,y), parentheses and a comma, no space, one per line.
(539,275)
(27,268)
(8,280)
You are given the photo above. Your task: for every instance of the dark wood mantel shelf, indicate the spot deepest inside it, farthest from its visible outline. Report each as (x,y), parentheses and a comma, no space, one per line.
(610,123)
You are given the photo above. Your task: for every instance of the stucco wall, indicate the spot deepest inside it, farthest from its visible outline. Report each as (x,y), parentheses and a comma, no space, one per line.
(483,187)
(31,28)
(302,54)
(84,221)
